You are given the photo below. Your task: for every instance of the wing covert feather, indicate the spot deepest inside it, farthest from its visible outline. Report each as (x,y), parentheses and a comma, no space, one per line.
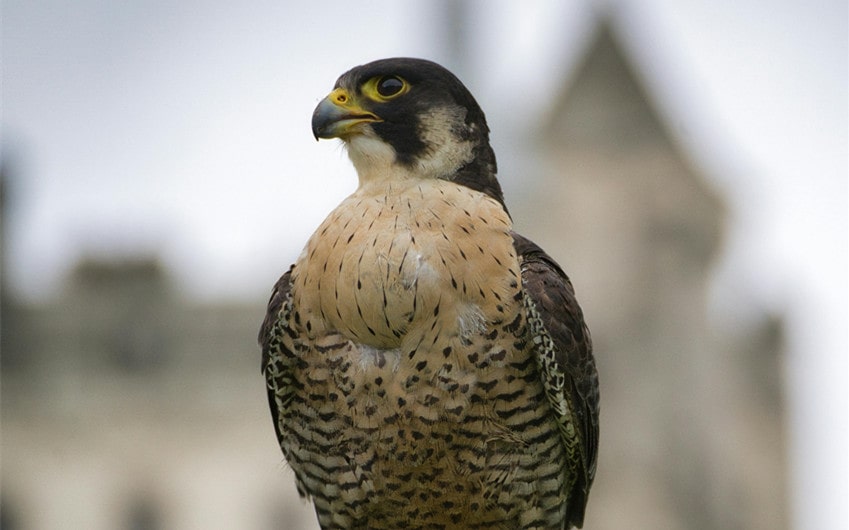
(564,350)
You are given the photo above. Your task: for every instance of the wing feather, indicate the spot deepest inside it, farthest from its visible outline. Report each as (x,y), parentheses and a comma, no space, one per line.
(564,355)
(274,366)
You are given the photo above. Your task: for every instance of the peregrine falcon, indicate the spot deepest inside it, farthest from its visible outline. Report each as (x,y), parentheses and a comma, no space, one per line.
(427,366)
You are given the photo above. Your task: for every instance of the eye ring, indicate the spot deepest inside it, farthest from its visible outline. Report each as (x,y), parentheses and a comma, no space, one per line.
(390,86)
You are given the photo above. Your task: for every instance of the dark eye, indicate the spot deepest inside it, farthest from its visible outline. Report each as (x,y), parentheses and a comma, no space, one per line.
(389,86)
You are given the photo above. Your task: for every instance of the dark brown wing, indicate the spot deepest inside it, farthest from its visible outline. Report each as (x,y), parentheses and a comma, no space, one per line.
(274,364)
(567,367)
(279,294)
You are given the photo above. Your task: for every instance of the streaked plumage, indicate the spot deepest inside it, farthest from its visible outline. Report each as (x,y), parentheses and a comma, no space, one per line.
(427,367)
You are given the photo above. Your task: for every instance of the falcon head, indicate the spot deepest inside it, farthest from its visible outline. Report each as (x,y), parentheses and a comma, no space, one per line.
(409,118)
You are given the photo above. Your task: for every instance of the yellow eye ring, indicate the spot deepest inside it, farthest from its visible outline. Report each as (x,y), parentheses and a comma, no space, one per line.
(385,87)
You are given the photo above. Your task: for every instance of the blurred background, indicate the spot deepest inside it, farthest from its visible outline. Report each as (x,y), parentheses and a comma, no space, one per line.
(686,162)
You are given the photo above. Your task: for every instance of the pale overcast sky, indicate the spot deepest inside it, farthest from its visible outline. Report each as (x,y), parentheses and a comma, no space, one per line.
(182,128)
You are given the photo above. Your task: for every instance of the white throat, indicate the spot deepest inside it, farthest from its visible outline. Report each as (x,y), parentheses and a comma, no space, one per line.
(375,160)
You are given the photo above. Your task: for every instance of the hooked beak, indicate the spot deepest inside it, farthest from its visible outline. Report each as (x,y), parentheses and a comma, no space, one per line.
(338,115)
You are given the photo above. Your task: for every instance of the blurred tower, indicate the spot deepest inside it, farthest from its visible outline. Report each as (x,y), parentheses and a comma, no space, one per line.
(637,227)
(11,312)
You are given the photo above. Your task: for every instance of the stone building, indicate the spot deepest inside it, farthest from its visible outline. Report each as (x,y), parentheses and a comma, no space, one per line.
(126,407)
(130,408)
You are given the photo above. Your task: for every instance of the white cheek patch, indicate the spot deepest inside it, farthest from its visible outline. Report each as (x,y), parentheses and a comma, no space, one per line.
(446,152)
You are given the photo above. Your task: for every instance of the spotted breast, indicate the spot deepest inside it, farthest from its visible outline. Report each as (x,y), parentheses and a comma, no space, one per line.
(408,372)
